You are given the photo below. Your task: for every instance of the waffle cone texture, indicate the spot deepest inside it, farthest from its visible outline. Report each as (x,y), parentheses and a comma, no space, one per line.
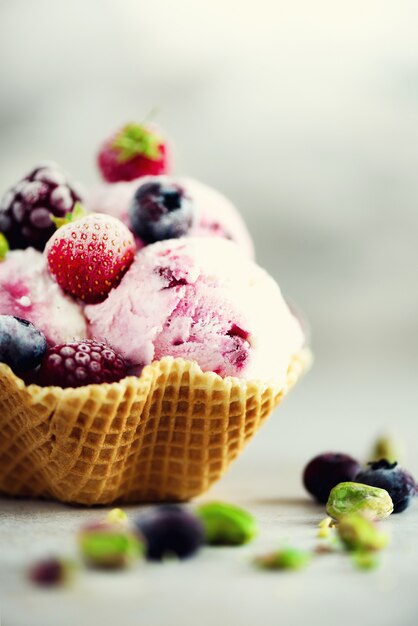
(167,435)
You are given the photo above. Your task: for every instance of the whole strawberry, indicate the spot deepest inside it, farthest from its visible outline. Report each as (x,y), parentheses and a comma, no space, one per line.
(80,363)
(135,150)
(28,209)
(88,257)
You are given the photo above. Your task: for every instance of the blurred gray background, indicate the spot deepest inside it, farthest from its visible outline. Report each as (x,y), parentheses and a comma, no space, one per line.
(306,115)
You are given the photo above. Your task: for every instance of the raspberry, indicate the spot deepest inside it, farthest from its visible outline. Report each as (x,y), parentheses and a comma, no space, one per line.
(26,209)
(79,363)
(88,257)
(136,150)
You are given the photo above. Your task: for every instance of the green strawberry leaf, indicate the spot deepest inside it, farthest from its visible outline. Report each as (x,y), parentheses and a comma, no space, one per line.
(4,247)
(77,212)
(134,140)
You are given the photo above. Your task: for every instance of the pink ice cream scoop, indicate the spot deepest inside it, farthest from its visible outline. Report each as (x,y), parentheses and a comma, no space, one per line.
(216,215)
(27,291)
(202,299)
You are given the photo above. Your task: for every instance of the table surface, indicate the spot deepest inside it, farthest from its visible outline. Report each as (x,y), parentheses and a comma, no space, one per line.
(337,406)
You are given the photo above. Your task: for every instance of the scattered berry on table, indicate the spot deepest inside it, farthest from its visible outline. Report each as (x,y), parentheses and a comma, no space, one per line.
(50,572)
(171,530)
(390,476)
(79,363)
(22,346)
(135,150)
(325,471)
(161,209)
(26,210)
(88,257)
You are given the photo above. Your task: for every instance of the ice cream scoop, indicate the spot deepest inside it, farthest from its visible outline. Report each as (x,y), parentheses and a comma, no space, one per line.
(216,215)
(204,300)
(28,292)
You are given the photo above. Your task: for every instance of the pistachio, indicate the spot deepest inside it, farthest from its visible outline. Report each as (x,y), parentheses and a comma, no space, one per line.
(226,524)
(325,526)
(286,558)
(388,447)
(359,533)
(351,497)
(365,560)
(109,545)
(4,246)
(116,516)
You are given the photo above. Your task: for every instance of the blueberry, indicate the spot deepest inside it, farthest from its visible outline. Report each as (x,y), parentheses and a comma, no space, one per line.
(327,470)
(390,476)
(161,210)
(170,530)
(22,346)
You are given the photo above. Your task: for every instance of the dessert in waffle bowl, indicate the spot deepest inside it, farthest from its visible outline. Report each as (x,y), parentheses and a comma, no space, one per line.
(139,355)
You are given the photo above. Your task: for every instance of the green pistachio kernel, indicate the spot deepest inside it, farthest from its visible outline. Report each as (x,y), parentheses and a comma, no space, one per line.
(388,447)
(352,497)
(286,558)
(365,560)
(4,247)
(109,545)
(77,212)
(359,533)
(325,526)
(226,524)
(116,516)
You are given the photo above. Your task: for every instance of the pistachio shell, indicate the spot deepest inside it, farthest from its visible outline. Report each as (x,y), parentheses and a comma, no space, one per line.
(351,497)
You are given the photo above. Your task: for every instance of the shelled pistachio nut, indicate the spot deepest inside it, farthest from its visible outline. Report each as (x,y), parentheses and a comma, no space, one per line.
(109,545)
(226,524)
(359,533)
(349,497)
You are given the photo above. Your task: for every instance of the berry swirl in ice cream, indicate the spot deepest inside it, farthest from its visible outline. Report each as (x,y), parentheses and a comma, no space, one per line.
(201,299)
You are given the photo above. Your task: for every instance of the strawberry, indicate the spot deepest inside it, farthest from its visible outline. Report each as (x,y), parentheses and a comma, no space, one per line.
(135,150)
(88,257)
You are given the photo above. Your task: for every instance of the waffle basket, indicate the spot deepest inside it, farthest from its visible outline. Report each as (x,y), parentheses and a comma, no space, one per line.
(167,435)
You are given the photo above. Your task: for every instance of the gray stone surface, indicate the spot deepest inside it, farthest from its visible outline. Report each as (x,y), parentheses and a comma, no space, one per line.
(339,407)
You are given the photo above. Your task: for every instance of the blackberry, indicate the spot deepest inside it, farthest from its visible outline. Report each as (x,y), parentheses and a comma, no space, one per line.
(26,209)
(79,363)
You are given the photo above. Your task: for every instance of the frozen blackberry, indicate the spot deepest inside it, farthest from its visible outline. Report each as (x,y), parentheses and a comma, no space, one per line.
(80,363)
(26,209)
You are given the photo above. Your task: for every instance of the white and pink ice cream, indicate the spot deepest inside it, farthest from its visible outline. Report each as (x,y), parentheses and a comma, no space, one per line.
(201,299)
(216,215)
(27,291)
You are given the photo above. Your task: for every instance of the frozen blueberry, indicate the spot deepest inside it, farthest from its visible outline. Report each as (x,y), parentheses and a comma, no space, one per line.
(161,210)
(170,530)
(327,470)
(390,476)
(22,346)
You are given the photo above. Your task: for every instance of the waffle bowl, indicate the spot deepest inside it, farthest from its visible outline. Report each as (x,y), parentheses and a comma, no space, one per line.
(167,435)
